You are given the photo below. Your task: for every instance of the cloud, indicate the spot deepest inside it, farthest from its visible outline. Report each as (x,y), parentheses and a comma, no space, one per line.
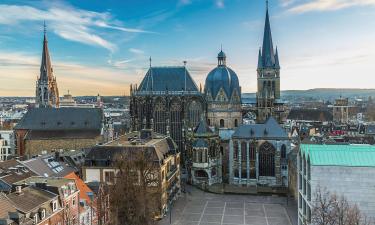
(329,5)
(20,71)
(68,22)
(136,51)
(285,3)
(220,4)
(184,2)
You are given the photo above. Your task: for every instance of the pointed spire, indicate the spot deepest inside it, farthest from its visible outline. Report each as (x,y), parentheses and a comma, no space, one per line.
(46,65)
(267,48)
(260,64)
(277,63)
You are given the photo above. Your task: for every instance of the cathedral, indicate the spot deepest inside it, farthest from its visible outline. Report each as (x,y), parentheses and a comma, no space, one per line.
(207,124)
(47,93)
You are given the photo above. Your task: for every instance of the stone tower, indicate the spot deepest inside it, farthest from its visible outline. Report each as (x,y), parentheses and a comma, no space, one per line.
(268,76)
(47,93)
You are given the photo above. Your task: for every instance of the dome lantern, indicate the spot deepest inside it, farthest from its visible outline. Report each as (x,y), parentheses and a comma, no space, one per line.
(221,58)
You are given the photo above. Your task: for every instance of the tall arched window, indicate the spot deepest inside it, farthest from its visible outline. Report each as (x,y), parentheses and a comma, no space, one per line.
(235,150)
(252,153)
(267,160)
(283,152)
(235,123)
(159,117)
(243,151)
(221,123)
(195,110)
(209,122)
(176,123)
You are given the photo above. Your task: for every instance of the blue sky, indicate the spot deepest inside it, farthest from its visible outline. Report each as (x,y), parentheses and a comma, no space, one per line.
(103,46)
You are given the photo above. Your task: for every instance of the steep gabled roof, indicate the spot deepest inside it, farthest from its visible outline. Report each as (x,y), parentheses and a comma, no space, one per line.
(168,78)
(61,119)
(269,130)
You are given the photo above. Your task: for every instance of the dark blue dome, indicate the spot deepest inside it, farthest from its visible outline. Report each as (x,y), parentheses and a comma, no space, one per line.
(222,77)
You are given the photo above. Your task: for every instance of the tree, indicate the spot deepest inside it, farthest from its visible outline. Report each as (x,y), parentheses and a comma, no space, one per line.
(135,197)
(330,209)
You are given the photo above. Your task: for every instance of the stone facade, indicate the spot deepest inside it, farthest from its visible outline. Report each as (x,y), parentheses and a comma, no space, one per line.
(35,147)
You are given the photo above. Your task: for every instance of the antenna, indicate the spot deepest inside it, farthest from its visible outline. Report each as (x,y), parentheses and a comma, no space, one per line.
(267,4)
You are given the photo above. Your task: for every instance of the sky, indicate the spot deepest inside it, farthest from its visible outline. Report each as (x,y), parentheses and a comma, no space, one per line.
(101,47)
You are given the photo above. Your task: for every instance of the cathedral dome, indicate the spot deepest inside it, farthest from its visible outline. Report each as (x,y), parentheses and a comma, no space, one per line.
(222,77)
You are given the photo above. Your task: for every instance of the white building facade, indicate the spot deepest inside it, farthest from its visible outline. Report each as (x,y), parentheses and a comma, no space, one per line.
(346,170)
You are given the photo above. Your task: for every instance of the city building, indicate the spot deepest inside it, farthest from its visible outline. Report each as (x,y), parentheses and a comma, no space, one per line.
(11,172)
(167,101)
(341,110)
(258,155)
(101,163)
(268,78)
(87,207)
(43,130)
(346,170)
(47,93)
(64,189)
(223,96)
(205,157)
(7,144)
(35,206)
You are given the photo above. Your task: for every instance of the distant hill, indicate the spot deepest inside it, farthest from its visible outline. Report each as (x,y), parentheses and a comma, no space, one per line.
(323,93)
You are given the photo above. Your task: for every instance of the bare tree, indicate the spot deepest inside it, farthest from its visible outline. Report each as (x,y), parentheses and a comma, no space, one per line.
(135,198)
(329,209)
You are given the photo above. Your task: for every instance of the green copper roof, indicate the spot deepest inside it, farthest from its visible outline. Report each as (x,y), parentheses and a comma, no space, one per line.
(340,155)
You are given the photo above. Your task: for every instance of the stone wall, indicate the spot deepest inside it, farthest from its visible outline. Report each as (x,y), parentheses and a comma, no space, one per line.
(35,147)
(357,184)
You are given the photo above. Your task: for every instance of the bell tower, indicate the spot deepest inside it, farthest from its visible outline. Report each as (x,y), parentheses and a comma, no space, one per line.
(268,75)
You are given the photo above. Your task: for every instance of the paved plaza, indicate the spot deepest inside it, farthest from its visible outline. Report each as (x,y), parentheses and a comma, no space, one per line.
(200,208)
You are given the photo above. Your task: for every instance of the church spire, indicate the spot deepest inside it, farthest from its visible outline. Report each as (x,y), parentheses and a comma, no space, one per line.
(268,56)
(46,65)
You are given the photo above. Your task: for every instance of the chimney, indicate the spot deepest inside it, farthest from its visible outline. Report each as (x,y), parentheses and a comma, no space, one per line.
(19,189)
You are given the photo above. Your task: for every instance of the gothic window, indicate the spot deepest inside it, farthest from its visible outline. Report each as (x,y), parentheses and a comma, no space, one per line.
(252,153)
(236,173)
(195,111)
(283,152)
(235,123)
(159,118)
(243,151)
(213,151)
(221,150)
(253,174)
(235,150)
(175,121)
(244,173)
(221,123)
(200,156)
(267,160)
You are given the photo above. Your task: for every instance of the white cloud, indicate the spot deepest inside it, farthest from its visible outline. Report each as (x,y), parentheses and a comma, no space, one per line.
(329,5)
(285,3)
(220,3)
(67,22)
(136,51)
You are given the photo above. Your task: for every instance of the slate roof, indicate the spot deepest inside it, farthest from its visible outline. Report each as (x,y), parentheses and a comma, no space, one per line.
(18,173)
(340,155)
(310,115)
(30,198)
(202,128)
(61,119)
(222,77)
(167,78)
(200,143)
(5,206)
(47,166)
(268,130)
(62,134)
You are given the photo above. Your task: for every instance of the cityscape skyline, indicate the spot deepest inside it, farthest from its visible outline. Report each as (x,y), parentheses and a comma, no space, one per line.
(103,49)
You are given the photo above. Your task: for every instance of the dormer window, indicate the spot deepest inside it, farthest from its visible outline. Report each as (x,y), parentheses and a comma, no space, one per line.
(42,214)
(54,205)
